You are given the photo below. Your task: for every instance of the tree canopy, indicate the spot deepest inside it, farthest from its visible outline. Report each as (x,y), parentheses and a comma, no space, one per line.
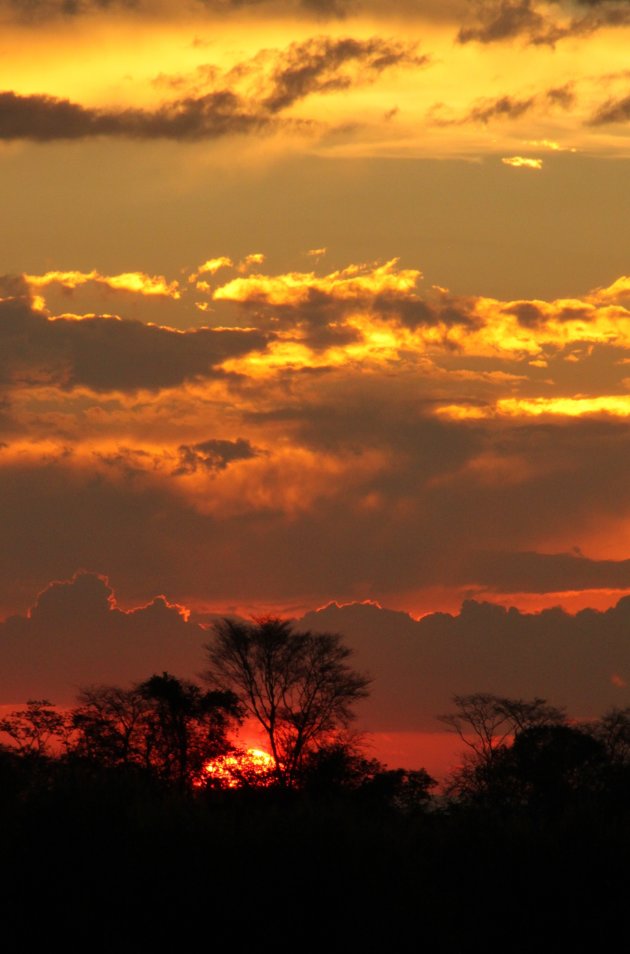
(299,686)
(167,725)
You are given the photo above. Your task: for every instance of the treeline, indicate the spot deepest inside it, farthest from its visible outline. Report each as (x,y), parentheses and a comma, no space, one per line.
(111,820)
(170,734)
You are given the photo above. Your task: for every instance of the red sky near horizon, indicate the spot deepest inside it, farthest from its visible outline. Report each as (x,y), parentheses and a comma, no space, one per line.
(314,301)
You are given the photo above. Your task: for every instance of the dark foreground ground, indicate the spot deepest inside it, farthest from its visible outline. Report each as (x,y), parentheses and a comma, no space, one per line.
(104,863)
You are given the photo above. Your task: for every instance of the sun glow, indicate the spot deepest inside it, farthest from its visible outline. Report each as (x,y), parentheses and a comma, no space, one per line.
(252,767)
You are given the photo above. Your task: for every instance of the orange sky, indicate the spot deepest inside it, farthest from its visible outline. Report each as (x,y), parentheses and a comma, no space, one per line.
(316,301)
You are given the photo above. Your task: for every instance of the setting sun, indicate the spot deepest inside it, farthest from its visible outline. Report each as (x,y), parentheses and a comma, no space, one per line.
(252,767)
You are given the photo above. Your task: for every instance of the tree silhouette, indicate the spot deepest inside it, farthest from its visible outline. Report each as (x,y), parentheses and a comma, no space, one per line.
(167,725)
(486,723)
(297,685)
(613,731)
(110,726)
(37,729)
(552,764)
(187,726)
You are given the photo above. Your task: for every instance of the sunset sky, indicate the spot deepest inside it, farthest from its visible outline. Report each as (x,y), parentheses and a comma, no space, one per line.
(314,301)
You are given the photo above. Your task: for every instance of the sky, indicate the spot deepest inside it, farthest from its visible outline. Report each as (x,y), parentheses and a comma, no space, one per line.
(308,304)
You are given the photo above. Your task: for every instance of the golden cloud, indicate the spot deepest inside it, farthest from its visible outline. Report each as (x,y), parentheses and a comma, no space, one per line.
(136,282)
(617,405)
(522,162)
(295,288)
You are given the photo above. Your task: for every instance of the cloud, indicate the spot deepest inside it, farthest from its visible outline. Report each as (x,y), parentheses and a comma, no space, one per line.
(615,405)
(317,66)
(612,111)
(505,107)
(213,455)
(336,309)
(376,312)
(523,572)
(419,665)
(108,353)
(37,11)
(420,432)
(46,118)
(522,162)
(353,283)
(505,19)
(76,635)
(280,79)
(498,20)
(136,282)
(339,485)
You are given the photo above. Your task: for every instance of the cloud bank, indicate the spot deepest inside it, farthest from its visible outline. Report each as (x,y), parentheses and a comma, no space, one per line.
(75,635)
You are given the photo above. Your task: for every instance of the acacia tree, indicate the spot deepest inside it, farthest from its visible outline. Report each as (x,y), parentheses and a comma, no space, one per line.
(487,724)
(299,686)
(36,730)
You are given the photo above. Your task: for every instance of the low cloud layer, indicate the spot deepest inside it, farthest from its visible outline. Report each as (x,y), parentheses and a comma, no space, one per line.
(579,661)
(76,635)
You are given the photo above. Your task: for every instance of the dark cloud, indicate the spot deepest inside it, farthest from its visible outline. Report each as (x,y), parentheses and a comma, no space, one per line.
(323,8)
(38,10)
(450,489)
(419,665)
(504,20)
(107,354)
(531,315)
(399,504)
(75,635)
(46,118)
(531,572)
(527,312)
(507,107)
(336,8)
(612,111)
(213,455)
(320,337)
(317,65)
(562,96)
(320,315)
(498,20)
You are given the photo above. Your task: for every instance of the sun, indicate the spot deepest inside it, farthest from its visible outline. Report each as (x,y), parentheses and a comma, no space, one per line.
(249,767)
